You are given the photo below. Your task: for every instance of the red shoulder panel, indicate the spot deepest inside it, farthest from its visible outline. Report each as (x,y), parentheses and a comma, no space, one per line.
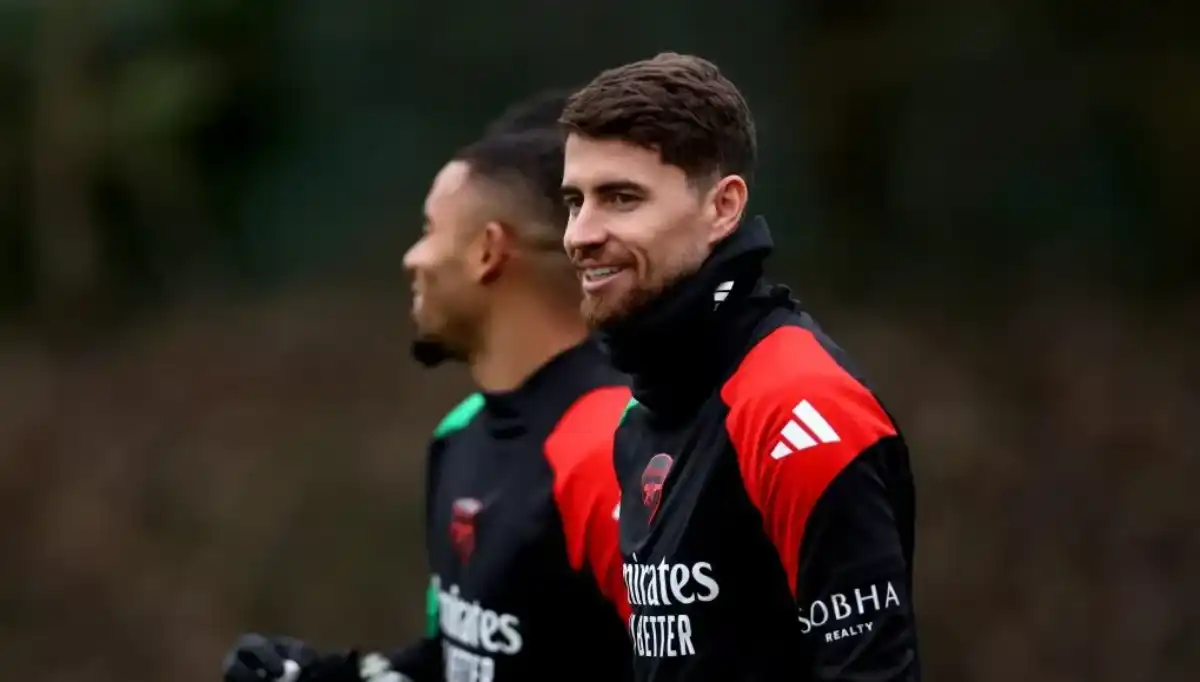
(796,419)
(580,452)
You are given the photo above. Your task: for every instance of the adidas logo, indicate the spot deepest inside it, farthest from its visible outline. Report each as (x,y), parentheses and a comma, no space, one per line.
(722,293)
(810,431)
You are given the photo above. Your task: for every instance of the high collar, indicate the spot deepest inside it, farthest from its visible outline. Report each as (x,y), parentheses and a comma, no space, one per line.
(679,346)
(509,412)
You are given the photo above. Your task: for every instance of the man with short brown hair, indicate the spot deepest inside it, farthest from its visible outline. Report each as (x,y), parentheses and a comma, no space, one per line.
(767,499)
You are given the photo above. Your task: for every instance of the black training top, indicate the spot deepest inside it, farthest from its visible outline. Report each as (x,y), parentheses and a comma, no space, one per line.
(767,510)
(522,533)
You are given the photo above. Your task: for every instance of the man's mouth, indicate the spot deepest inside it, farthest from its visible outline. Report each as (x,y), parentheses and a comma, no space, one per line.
(597,277)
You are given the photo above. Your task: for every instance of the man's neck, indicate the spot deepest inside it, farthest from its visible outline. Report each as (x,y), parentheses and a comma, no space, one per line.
(517,342)
(677,348)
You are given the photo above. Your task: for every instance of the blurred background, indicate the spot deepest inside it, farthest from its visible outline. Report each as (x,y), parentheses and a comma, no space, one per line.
(209,421)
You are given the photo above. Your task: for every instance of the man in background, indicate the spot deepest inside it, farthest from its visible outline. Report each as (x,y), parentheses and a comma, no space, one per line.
(767,508)
(521,495)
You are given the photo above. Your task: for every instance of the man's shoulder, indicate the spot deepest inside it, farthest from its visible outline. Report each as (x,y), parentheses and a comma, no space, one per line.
(796,389)
(584,432)
(786,355)
(579,452)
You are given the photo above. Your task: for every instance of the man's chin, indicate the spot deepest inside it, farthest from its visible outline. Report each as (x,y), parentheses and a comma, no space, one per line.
(603,316)
(430,352)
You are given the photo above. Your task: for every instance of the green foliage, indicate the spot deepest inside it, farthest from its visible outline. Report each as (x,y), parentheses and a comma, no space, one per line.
(221,142)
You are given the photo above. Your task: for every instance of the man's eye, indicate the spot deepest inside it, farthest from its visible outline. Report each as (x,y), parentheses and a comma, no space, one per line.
(623,200)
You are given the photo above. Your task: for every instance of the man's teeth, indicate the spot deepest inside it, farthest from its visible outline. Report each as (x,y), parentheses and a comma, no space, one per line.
(600,273)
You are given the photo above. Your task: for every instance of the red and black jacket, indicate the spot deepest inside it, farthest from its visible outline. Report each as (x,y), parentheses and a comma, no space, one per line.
(767,498)
(522,533)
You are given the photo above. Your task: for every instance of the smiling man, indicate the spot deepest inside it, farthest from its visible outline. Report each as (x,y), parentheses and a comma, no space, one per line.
(767,501)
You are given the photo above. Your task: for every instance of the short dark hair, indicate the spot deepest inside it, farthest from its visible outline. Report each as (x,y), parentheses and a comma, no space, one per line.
(529,163)
(679,105)
(522,150)
(540,110)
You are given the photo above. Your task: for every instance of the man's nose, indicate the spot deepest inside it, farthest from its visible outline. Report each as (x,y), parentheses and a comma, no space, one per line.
(410,257)
(583,232)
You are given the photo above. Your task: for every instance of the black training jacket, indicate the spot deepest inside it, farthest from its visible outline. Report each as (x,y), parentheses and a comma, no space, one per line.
(767,500)
(522,533)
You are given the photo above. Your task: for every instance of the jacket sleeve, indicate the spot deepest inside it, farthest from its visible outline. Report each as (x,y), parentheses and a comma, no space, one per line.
(829,474)
(422,661)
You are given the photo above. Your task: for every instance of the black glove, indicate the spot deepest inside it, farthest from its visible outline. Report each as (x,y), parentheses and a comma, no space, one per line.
(256,658)
(341,667)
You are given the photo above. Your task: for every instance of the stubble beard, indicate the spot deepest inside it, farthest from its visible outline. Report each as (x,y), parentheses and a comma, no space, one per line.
(604,314)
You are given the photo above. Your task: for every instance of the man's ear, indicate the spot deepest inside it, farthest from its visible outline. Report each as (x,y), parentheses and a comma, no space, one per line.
(726,203)
(490,252)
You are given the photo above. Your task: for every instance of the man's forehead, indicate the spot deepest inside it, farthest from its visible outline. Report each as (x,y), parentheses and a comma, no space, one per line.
(450,180)
(590,163)
(452,184)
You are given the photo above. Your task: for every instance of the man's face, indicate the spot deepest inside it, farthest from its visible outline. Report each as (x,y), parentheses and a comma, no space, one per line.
(447,301)
(637,224)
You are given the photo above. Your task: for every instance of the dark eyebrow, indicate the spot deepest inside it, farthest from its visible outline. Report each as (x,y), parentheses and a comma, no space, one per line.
(612,187)
(620,186)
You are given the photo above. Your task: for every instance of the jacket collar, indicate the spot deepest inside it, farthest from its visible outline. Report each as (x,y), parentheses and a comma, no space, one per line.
(510,413)
(679,346)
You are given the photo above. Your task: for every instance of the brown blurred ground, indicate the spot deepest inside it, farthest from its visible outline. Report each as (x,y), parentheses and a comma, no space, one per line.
(259,465)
